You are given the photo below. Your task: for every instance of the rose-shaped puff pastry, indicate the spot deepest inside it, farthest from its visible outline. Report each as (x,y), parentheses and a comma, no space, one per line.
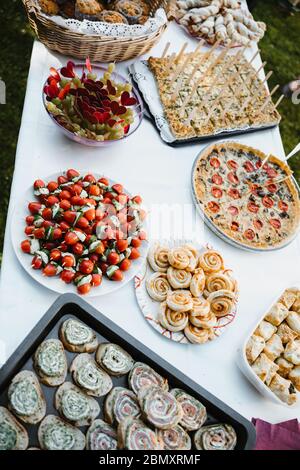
(197,283)
(142,376)
(221,302)
(198,335)
(133,434)
(157,286)
(101,436)
(180,301)
(179,278)
(194,413)
(206,321)
(211,261)
(158,258)
(215,437)
(160,408)
(220,281)
(172,321)
(193,256)
(179,258)
(119,404)
(175,438)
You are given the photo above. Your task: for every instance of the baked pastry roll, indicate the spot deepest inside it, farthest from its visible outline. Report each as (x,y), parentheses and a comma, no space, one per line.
(13,435)
(264,368)
(292,352)
(180,301)
(179,258)
(171,320)
(221,302)
(220,281)
(158,258)
(203,321)
(283,389)
(50,362)
(56,434)
(119,404)
(179,278)
(133,434)
(159,407)
(198,335)
(285,333)
(78,337)
(197,283)
(175,438)
(211,261)
(288,298)
(215,437)
(293,320)
(265,330)
(142,375)
(193,257)
(194,413)
(101,436)
(89,376)
(254,347)
(296,304)
(201,307)
(285,367)
(277,314)
(26,399)
(113,359)
(75,406)
(157,286)
(294,376)
(273,347)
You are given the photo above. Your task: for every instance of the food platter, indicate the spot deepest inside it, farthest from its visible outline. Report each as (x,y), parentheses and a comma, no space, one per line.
(54,283)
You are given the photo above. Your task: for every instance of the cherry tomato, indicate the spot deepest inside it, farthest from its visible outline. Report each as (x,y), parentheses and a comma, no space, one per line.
(118,188)
(217,179)
(51,200)
(86,266)
(57,233)
(109,195)
(50,246)
(71,238)
(82,222)
(29,229)
(100,249)
(113,258)
(215,162)
(38,184)
(137,200)
(249,234)
(48,223)
(68,261)
(72,174)
(122,245)
(136,242)
(94,190)
(104,181)
(94,257)
(77,201)
(103,266)
(283,206)
(47,213)
(62,180)
(232,164)
(258,164)
(67,276)
(55,255)
(122,199)
(234,193)
(275,223)
(65,194)
(69,216)
(78,248)
(258,224)
(252,207)
(25,246)
(39,233)
(271,172)
(49,270)
(84,289)
(235,226)
(64,226)
(272,187)
(135,254)
(89,178)
(267,201)
(118,276)
(76,189)
(125,264)
(96,280)
(37,262)
(88,200)
(233,210)
(232,177)
(34,207)
(216,192)
(90,214)
(213,207)
(29,220)
(248,166)
(65,205)
(52,186)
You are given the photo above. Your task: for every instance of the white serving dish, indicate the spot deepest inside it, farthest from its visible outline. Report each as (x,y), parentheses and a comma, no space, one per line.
(246,369)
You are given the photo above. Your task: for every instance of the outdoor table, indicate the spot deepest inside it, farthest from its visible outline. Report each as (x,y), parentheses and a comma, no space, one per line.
(162,175)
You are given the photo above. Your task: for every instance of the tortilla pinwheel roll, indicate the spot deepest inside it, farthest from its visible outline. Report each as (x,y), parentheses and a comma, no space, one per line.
(89,376)
(78,337)
(180,301)
(50,362)
(133,434)
(211,261)
(158,258)
(101,436)
(157,286)
(114,359)
(159,407)
(222,302)
(56,434)
(141,375)
(194,413)
(179,258)
(172,321)
(13,436)
(26,399)
(119,404)
(75,406)
(179,278)
(215,437)
(175,438)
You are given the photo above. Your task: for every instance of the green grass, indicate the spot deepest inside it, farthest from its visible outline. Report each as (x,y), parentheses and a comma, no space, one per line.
(280,48)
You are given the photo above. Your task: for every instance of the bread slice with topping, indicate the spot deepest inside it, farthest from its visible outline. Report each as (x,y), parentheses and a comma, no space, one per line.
(13,436)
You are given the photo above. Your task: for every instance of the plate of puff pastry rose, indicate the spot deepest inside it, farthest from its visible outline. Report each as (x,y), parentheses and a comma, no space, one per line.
(185,292)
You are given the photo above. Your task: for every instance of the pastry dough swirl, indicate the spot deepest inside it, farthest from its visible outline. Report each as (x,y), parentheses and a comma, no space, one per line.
(175,438)
(157,286)
(198,335)
(179,258)
(206,321)
(159,407)
(197,283)
(193,257)
(220,281)
(194,413)
(180,301)
(211,261)
(179,278)
(101,436)
(172,321)
(221,302)
(158,258)
(215,437)
(201,307)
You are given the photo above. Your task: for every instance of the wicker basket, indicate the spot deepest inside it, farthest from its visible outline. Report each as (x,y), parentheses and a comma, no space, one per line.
(97,48)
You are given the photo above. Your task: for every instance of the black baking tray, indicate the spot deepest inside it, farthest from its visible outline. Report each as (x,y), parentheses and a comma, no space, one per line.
(71,305)
(197,140)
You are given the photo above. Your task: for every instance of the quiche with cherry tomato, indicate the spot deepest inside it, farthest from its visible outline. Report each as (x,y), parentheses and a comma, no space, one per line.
(248,197)
(82,228)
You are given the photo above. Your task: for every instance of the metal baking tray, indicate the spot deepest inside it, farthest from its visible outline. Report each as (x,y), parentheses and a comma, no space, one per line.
(71,305)
(218,231)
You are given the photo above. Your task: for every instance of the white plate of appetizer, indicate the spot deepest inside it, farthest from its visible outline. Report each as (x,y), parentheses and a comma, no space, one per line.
(185,292)
(270,355)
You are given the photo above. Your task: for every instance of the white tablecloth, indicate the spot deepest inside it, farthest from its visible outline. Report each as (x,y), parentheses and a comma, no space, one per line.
(144,164)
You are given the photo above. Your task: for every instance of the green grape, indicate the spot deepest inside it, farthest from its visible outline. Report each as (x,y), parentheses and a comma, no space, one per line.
(77,81)
(111,68)
(92,76)
(128,87)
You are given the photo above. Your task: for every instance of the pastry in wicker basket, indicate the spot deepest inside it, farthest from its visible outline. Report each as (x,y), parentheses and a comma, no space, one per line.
(88,10)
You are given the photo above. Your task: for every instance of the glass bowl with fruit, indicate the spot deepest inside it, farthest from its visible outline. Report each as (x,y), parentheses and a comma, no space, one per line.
(92,105)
